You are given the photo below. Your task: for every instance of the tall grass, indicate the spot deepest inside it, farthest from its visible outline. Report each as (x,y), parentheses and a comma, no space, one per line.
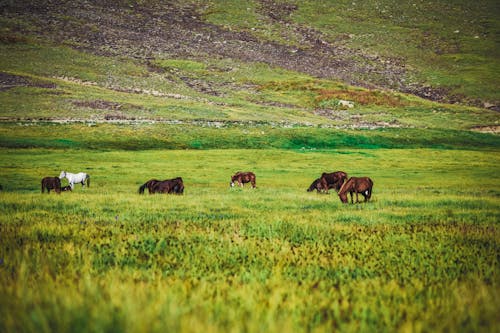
(421,256)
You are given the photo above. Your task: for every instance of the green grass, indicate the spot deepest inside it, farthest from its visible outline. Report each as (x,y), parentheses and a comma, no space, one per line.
(421,256)
(205,135)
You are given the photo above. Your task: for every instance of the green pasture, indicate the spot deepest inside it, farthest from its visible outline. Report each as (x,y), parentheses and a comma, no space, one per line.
(421,256)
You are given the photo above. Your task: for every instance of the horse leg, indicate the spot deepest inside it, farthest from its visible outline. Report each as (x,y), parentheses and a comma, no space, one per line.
(357,197)
(352,201)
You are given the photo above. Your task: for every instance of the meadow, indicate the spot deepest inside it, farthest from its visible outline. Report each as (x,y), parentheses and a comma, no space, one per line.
(421,256)
(132,90)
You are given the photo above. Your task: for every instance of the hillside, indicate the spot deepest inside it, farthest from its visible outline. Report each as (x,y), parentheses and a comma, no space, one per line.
(342,64)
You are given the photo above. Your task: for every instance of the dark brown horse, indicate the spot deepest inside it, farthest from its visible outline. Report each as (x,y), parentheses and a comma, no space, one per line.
(243,178)
(333,180)
(149,185)
(174,186)
(363,185)
(51,183)
(328,181)
(316,185)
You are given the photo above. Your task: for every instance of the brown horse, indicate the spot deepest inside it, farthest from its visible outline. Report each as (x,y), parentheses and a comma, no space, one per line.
(51,183)
(333,180)
(149,185)
(242,178)
(328,181)
(175,186)
(363,185)
(316,185)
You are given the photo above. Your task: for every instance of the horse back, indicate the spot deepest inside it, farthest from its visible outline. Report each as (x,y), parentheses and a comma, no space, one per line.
(361,184)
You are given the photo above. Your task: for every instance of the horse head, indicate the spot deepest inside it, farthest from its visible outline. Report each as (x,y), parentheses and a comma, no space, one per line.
(62,175)
(314,186)
(233,178)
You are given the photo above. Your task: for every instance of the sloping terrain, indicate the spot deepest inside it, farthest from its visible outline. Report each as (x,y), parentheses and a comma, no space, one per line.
(338,64)
(171,29)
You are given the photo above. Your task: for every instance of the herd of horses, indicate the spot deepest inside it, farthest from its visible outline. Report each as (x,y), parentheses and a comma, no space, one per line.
(344,185)
(338,180)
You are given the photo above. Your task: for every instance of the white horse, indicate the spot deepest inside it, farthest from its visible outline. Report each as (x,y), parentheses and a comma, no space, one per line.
(74,178)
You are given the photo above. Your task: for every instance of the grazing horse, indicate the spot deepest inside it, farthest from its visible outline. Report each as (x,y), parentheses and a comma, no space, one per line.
(175,186)
(316,185)
(149,185)
(363,185)
(73,178)
(242,178)
(51,183)
(328,181)
(333,180)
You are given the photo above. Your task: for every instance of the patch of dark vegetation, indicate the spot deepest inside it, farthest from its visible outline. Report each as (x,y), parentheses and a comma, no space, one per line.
(117,116)
(105,105)
(278,11)
(9,81)
(12,38)
(98,104)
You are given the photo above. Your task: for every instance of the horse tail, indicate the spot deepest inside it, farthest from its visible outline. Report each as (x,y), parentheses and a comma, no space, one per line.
(141,189)
(88,181)
(42,186)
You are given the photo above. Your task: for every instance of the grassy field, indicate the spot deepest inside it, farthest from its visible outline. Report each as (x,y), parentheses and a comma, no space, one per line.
(132,90)
(422,256)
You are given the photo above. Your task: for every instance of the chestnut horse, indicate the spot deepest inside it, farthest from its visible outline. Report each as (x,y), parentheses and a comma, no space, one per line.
(242,178)
(51,183)
(149,185)
(175,186)
(363,185)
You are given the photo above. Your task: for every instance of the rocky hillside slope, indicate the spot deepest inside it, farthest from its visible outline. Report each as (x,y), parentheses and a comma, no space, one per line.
(271,32)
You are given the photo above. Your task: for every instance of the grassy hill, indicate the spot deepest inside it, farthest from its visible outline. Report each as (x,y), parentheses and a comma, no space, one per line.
(338,65)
